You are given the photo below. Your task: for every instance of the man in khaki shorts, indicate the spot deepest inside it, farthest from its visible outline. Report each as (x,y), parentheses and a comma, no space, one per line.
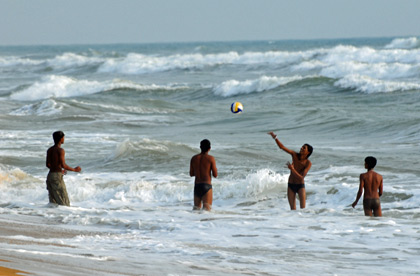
(56,187)
(372,184)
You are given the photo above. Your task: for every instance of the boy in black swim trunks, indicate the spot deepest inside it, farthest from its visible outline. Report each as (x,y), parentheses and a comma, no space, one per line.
(203,166)
(372,183)
(298,170)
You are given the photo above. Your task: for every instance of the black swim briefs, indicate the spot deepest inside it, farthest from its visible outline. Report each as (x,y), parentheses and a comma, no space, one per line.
(371,203)
(200,189)
(295,187)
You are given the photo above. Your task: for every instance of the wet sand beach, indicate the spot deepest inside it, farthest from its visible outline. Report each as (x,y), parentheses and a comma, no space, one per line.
(7,271)
(37,246)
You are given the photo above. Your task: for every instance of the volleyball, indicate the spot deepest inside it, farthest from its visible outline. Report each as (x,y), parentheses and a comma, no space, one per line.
(236,107)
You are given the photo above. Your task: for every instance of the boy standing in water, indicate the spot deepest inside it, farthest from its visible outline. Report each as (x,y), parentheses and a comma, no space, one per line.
(56,162)
(202,166)
(298,170)
(372,183)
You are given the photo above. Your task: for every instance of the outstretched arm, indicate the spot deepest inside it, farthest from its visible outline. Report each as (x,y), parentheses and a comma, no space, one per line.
(279,144)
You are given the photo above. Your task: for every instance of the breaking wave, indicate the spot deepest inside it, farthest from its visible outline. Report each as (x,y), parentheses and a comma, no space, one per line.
(63,87)
(404,43)
(264,83)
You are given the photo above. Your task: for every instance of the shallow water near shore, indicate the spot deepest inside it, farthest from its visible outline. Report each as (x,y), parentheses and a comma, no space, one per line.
(134,115)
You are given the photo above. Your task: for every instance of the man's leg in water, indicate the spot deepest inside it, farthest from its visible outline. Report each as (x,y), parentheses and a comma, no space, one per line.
(197,203)
(208,200)
(291,196)
(302,198)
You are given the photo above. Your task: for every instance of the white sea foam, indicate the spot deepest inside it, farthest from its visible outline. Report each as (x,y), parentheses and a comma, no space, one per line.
(334,188)
(264,83)
(58,86)
(366,69)
(18,186)
(377,70)
(64,61)
(63,87)
(44,108)
(256,185)
(9,61)
(343,53)
(71,60)
(370,85)
(11,175)
(340,62)
(133,199)
(404,43)
(140,64)
(398,62)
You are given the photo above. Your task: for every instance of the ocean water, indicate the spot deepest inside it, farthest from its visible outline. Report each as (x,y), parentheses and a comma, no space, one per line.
(134,115)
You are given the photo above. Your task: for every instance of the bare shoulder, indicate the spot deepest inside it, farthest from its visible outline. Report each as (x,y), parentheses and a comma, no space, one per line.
(295,155)
(192,161)
(55,149)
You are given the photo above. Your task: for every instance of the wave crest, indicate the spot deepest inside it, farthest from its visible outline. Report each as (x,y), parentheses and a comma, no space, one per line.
(70,60)
(140,64)
(233,87)
(64,87)
(404,43)
(369,85)
(44,108)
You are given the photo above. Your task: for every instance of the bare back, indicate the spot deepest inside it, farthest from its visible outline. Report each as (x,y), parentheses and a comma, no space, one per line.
(203,166)
(372,183)
(55,159)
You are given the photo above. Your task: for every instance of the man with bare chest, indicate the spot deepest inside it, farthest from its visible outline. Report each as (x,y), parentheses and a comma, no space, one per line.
(372,184)
(203,166)
(299,167)
(56,162)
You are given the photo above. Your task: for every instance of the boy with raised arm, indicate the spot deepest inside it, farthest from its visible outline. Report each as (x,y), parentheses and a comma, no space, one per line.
(298,169)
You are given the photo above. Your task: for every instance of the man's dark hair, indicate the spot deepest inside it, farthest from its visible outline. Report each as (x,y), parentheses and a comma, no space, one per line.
(370,162)
(310,149)
(205,145)
(57,136)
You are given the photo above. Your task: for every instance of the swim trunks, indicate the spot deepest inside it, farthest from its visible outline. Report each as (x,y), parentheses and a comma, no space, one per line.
(56,187)
(371,203)
(295,187)
(200,189)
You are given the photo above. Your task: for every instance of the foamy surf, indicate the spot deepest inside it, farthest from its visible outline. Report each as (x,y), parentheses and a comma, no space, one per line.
(54,86)
(233,87)
(134,115)
(404,43)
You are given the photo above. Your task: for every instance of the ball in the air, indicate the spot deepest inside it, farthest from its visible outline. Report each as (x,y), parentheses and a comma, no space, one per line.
(236,107)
